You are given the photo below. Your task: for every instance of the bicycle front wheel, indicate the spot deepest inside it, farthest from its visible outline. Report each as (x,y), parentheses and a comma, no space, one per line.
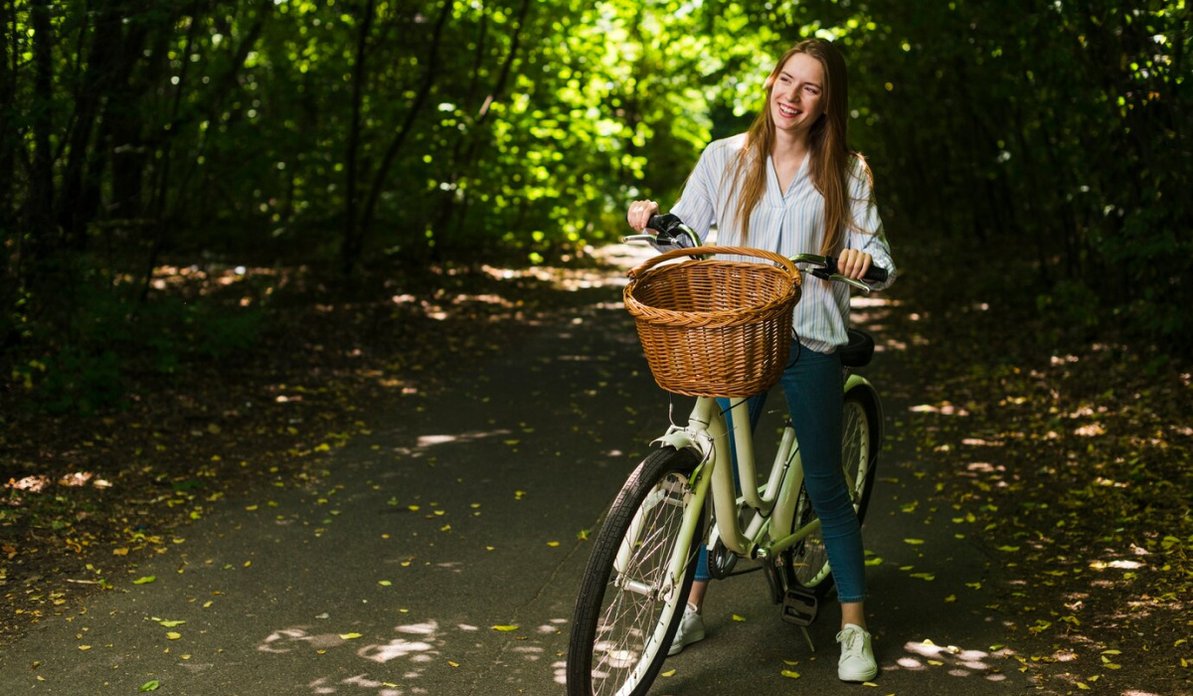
(807,562)
(629,608)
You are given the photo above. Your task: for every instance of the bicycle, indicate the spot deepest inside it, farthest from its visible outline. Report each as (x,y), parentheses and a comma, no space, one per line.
(643,562)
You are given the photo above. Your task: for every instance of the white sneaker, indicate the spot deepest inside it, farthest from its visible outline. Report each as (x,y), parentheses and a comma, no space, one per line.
(857,657)
(691,630)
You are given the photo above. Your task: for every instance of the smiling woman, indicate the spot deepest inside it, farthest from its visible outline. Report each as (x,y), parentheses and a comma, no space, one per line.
(791,185)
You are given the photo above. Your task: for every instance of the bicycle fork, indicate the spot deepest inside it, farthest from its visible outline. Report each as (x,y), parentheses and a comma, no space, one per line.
(688,496)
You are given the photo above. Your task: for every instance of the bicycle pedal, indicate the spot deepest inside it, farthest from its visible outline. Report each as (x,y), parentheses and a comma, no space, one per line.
(799,606)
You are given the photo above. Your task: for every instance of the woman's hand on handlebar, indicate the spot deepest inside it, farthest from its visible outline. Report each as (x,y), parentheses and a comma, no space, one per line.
(639,214)
(853,263)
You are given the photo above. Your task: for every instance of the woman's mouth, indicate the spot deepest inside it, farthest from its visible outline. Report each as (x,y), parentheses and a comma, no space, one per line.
(788,111)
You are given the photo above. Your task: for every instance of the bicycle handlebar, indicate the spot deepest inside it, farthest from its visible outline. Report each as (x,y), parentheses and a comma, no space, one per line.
(673,233)
(828,267)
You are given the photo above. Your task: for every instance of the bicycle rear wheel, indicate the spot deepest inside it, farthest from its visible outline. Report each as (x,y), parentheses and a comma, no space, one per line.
(628,608)
(806,563)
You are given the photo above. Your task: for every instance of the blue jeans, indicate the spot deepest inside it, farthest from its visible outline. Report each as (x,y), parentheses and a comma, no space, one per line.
(813,385)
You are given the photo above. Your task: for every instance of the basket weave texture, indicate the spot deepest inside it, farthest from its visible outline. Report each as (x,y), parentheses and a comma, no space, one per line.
(714,327)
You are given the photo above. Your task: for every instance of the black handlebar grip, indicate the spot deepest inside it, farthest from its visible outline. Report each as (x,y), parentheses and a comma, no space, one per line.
(876,274)
(663,223)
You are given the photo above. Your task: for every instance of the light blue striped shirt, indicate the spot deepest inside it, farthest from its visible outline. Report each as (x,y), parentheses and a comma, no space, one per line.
(787,223)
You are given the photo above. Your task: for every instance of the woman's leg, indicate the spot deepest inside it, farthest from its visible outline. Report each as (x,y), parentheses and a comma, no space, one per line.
(813,387)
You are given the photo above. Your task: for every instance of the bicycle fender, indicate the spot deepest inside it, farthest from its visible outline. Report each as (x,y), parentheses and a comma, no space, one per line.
(868,392)
(680,440)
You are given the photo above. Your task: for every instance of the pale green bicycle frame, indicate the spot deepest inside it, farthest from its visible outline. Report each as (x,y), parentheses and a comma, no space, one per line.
(773,503)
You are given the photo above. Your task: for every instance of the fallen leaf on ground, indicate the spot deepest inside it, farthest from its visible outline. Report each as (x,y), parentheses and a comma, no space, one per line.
(169,623)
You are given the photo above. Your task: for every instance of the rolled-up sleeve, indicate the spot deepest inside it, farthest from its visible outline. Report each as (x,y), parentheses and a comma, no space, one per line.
(867,232)
(697,204)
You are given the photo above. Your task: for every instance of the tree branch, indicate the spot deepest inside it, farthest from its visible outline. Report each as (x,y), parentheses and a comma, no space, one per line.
(399,139)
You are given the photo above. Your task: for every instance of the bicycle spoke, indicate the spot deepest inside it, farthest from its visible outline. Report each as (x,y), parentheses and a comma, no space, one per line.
(629,627)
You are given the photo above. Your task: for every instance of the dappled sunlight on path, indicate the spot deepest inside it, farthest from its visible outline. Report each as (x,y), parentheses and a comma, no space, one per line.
(956,661)
(402,665)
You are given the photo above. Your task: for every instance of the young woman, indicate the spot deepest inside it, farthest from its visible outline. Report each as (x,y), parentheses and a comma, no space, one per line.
(791,185)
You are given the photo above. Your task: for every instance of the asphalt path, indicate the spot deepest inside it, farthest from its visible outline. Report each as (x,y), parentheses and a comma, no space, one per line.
(441,555)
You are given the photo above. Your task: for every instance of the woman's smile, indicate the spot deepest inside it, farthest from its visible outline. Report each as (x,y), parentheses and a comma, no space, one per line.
(796,92)
(788,110)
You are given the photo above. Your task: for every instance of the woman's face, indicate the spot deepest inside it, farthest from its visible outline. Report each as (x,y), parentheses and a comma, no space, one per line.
(796,97)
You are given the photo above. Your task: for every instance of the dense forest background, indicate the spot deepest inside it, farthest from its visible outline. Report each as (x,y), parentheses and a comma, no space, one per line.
(141,142)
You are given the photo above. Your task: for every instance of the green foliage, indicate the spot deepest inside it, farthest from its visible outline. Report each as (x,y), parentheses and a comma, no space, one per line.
(348,133)
(1071,305)
(115,338)
(179,330)
(224,335)
(78,381)
(1055,132)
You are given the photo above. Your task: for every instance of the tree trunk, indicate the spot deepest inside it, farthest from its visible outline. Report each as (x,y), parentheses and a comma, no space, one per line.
(8,143)
(353,242)
(38,239)
(8,159)
(214,99)
(163,179)
(99,74)
(121,138)
(395,145)
(460,166)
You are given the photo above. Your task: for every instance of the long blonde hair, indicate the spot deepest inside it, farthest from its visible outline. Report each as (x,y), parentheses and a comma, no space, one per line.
(830,156)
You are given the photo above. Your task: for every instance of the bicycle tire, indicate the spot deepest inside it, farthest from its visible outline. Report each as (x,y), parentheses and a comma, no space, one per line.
(806,564)
(620,637)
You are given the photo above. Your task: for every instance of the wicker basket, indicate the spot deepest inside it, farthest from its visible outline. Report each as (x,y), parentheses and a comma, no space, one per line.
(715,327)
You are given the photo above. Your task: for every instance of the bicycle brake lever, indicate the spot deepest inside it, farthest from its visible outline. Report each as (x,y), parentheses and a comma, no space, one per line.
(824,274)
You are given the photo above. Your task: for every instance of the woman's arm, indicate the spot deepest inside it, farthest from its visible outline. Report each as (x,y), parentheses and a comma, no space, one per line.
(697,204)
(866,240)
